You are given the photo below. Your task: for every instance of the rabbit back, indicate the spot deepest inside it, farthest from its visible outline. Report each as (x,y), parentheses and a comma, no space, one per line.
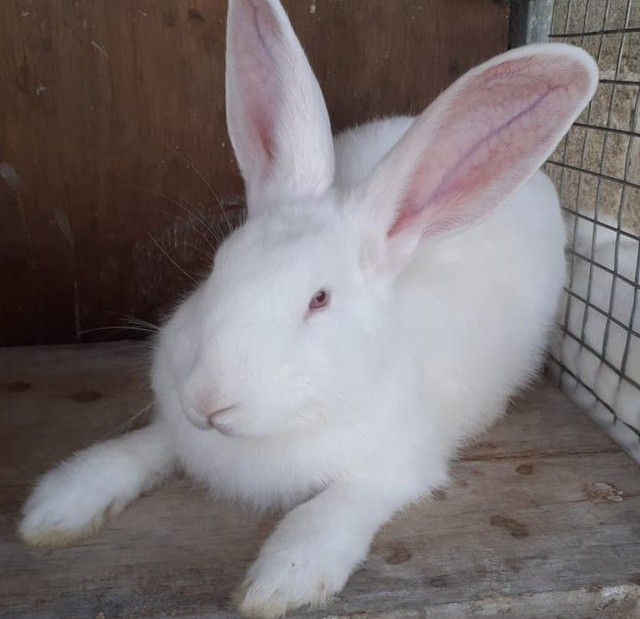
(477,306)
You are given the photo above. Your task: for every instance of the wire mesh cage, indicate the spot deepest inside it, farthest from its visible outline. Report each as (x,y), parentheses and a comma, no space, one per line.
(596,355)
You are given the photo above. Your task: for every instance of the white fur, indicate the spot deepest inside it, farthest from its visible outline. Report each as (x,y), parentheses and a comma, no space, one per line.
(73,499)
(348,414)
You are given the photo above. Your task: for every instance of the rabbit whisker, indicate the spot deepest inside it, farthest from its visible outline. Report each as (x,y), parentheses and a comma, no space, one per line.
(175,264)
(360,416)
(203,255)
(126,425)
(132,320)
(205,181)
(117,328)
(193,212)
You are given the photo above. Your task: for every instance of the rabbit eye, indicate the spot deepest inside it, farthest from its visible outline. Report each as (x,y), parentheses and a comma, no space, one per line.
(320,300)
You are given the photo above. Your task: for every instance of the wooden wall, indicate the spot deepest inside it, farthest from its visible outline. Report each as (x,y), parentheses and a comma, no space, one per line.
(113,138)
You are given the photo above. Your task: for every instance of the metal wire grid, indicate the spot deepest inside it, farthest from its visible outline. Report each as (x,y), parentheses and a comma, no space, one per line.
(610,31)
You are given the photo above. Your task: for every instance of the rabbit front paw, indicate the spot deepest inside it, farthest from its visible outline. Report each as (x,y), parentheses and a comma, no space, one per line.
(283,579)
(64,509)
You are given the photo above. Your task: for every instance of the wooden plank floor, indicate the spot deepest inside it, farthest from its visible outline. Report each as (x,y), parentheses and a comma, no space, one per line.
(542,518)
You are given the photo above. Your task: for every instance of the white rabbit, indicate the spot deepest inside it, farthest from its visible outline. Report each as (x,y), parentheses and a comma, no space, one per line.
(376,310)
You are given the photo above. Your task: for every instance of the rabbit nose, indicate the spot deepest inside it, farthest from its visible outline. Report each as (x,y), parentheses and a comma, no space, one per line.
(205,408)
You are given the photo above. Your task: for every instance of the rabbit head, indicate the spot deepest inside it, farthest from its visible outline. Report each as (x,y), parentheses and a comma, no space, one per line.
(293,322)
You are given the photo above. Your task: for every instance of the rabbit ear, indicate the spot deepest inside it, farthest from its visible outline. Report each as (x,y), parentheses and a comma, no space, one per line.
(473,148)
(276,115)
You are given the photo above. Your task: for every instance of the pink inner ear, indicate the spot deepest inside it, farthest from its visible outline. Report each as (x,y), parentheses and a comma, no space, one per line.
(490,137)
(255,47)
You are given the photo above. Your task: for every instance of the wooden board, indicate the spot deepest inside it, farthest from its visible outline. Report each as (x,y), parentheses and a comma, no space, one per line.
(113,137)
(542,518)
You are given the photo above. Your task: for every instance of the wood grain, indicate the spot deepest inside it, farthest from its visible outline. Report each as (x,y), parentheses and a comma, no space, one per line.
(102,216)
(540,519)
